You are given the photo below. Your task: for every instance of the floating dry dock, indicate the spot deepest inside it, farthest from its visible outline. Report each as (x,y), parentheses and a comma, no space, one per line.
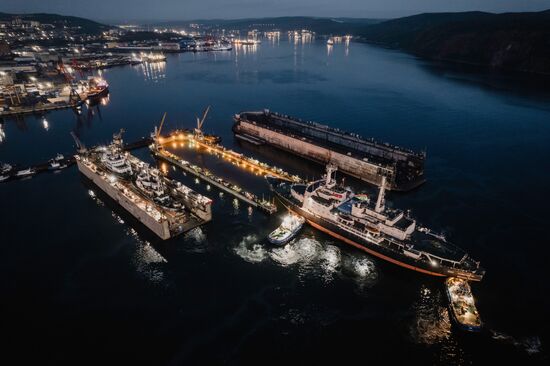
(164,206)
(365,159)
(159,152)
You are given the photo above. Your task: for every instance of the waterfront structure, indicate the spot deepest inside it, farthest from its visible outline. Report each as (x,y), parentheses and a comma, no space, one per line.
(365,159)
(166,207)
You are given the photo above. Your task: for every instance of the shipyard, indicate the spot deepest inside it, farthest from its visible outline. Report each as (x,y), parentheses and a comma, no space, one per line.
(244,184)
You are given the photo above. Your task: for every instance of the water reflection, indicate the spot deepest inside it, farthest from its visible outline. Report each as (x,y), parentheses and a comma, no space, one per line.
(245,49)
(153,71)
(431,323)
(310,256)
(2,133)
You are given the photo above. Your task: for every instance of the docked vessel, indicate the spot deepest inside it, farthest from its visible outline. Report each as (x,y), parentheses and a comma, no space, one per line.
(164,206)
(25,172)
(57,163)
(288,229)
(369,225)
(5,168)
(462,304)
(364,159)
(97,88)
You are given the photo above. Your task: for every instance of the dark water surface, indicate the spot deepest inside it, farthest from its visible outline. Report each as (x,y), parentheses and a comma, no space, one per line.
(81,283)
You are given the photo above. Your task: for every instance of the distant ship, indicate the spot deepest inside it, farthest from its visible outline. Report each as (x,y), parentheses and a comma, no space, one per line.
(369,225)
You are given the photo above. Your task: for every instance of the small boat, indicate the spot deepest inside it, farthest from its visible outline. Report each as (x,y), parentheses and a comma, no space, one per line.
(462,305)
(287,230)
(5,168)
(4,178)
(56,163)
(25,172)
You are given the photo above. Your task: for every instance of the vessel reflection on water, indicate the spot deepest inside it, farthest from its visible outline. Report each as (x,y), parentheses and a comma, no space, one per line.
(389,234)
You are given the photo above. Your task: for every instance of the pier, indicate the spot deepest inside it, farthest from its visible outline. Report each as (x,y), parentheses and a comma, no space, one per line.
(38,109)
(67,161)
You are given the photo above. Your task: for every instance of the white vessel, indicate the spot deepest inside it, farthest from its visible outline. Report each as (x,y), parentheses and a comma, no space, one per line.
(287,230)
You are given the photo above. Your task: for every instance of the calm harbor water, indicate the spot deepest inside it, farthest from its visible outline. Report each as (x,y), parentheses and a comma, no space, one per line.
(81,283)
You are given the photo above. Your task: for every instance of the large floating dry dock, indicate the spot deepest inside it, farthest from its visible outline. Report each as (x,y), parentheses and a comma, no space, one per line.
(365,159)
(166,207)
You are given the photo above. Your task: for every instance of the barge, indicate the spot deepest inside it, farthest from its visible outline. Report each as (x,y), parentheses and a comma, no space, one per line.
(365,159)
(166,207)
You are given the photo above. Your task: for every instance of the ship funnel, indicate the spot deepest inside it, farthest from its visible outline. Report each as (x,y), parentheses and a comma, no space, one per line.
(380,202)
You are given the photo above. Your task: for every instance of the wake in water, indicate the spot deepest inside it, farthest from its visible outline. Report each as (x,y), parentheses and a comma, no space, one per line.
(195,240)
(250,251)
(310,256)
(532,345)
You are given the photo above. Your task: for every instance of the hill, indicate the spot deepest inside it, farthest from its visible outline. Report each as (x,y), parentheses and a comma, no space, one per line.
(508,41)
(85,26)
(323,26)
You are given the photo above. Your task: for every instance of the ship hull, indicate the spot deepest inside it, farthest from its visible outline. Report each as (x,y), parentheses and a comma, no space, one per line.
(364,245)
(352,156)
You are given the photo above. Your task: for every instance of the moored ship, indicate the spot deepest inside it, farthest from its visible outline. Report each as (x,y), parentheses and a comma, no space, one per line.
(166,207)
(369,225)
(354,155)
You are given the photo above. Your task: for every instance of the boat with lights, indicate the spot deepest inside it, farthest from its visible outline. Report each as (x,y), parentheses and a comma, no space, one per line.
(367,224)
(462,304)
(288,229)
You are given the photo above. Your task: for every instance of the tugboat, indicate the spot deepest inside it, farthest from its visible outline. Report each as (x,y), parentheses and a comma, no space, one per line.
(288,229)
(387,233)
(462,305)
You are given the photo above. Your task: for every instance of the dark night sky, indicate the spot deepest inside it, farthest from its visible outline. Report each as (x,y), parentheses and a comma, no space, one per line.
(120,10)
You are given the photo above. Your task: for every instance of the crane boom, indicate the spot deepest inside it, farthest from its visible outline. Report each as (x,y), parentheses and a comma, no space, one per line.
(161,124)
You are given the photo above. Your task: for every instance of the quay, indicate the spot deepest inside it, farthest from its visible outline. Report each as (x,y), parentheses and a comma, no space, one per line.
(38,109)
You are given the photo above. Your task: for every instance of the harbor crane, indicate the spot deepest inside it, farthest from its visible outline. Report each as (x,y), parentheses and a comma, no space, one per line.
(200,122)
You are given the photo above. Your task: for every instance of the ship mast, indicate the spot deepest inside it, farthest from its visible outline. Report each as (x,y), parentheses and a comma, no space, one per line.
(380,202)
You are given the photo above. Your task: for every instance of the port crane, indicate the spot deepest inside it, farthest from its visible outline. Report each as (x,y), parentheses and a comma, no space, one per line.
(73,96)
(200,122)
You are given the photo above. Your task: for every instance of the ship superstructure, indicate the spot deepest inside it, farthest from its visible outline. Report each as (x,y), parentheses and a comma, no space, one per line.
(354,155)
(166,207)
(369,225)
